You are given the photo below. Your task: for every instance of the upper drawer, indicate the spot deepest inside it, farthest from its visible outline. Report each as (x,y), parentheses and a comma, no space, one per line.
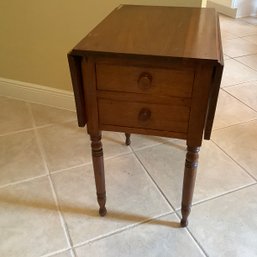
(136,79)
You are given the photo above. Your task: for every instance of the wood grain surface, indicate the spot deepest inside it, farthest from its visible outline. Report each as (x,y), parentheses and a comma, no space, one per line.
(155,31)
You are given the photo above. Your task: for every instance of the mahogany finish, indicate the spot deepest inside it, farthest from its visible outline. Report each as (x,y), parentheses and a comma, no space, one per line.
(98,164)
(189,182)
(149,70)
(147,80)
(157,31)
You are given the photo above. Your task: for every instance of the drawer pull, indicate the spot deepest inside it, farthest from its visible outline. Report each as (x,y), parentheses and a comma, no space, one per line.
(144,114)
(145,81)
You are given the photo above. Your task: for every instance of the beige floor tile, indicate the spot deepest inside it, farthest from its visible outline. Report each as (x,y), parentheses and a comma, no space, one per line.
(66,145)
(161,237)
(166,165)
(46,115)
(239,142)
(246,92)
(252,38)
(227,226)
(237,27)
(238,47)
(29,222)
(231,111)
(19,157)
(249,60)
(131,198)
(14,115)
(236,73)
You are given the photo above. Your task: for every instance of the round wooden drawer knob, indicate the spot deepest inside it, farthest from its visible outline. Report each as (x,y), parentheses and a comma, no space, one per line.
(145,81)
(144,114)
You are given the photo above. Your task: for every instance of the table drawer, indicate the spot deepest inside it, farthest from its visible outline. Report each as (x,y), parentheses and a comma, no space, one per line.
(137,79)
(143,115)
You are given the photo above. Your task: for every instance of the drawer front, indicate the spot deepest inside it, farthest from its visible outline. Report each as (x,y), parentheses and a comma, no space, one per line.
(134,79)
(142,115)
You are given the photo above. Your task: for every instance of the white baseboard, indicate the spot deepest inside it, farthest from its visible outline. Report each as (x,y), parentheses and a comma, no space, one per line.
(34,93)
(232,12)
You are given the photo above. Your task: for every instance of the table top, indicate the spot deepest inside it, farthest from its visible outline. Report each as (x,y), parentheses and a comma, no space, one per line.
(171,32)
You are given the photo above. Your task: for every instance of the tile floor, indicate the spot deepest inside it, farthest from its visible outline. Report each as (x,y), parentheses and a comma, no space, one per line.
(47,193)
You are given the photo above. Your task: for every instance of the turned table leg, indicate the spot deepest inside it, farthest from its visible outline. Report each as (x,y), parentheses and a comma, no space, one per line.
(189,182)
(98,164)
(128,141)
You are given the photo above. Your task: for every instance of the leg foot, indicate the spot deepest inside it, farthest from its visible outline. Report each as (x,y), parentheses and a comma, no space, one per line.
(102,211)
(185,210)
(189,183)
(128,141)
(101,199)
(183,223)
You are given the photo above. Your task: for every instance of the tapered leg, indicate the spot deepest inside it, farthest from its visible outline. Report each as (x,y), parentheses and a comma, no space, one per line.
(127,138)
(189,182)
(98,164)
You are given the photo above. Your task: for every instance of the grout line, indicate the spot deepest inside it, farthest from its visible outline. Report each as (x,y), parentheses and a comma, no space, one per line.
(43,156)
(56,252)
(154,183)
(123,229)
(69,168)
(237,124)
(234,124)
(237,84)
(194,238)
(242,167)
(250,35)
(23,181)
(34,102)
(17,132)
(63,223)
(90,163)
(30,129)
(223,194)
(73,252)
(235,58)
(53,124)
(239,100)
(239,56)
(115,156)
(245,55)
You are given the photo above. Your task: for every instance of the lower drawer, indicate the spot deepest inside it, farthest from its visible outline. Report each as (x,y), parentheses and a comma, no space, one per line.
(139,115)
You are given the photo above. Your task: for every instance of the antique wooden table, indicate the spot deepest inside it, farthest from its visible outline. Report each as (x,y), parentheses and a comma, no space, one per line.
(149,70)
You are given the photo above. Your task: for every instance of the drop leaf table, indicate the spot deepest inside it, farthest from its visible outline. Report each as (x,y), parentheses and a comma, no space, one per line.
(149,70)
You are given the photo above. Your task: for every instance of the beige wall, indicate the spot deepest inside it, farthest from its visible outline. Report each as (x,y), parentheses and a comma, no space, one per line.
(36,35)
